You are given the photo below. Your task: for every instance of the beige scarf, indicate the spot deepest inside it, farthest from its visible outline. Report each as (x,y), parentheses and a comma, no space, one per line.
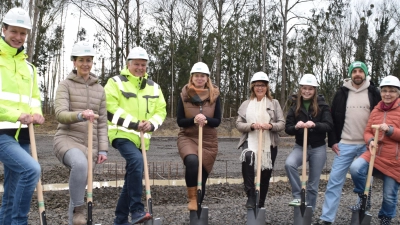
(256,113)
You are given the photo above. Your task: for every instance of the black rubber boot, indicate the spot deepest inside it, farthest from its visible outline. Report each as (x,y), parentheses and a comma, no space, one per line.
(251,199)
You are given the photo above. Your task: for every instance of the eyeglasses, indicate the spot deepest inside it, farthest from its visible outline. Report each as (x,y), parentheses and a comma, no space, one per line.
(389,92)
(260,86)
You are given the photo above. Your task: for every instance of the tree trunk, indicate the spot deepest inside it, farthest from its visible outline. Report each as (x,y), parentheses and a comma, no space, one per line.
(33,6)
(200,31)
(138,22)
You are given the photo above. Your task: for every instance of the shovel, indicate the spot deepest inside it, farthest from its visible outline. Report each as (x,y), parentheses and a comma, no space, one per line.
(200,216)
(155,221)
(303,214)
(39,188)
(361,217)
(89,196)
(258,217)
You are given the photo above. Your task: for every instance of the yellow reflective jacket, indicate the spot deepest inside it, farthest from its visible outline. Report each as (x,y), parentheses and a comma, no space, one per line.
(131,99)
(19,92)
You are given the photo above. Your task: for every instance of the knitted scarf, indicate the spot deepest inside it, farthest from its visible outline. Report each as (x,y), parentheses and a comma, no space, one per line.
(385,107)
(197,96)
(256,113)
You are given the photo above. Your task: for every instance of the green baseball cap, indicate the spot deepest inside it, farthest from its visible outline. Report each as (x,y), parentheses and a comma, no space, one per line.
(358,64)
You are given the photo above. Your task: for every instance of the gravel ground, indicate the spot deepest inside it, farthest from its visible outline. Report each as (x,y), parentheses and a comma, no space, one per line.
(225,201)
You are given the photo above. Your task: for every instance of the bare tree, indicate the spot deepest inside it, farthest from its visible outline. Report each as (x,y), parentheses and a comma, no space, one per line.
(284,9)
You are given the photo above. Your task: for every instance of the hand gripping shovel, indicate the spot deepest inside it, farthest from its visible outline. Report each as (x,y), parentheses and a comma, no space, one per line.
(258,217)
(89,196)
(199,217)
(360,217)
(152,221)
(39,188)
(303,214)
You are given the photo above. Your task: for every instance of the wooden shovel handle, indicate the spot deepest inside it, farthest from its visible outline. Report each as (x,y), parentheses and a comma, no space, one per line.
(200,157)
(304,166)
(372,159)
(39,188)
(90,160)
(259,157)
(146,169)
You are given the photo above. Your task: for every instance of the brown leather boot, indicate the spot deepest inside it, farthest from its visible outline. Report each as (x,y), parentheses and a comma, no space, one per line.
(79,216)
(192,194)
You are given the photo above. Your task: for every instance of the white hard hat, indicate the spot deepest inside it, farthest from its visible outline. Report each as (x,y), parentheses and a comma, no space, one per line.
(138,53)
(390,81)
(259,76)
(82,48)
(200,67)
(309,79)
(18,17)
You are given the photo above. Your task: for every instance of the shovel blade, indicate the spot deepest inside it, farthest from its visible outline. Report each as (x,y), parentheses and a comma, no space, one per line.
(256,209)
(355,218)
(362,207)
(154,221)
(199,208)
(43,220)
(298,219)
(256,220)
(150,206)
(202,220)
(303,202)
(89,215)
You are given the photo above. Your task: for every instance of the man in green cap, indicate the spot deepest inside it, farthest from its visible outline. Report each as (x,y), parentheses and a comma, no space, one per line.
(350,108)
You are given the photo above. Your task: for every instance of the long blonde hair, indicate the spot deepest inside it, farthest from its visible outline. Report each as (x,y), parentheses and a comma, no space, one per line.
(313,104)
(209,85)
(253,94)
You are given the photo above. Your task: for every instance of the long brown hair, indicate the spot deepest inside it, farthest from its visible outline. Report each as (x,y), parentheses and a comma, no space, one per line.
(209,85)
(313,104)
(253,94)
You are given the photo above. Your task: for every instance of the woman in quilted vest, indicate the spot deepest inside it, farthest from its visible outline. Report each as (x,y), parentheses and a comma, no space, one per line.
(259,112)
(199,105)
(78,99)
(387,163)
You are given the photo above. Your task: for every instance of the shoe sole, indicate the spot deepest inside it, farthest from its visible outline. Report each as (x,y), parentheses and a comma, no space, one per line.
(144,219)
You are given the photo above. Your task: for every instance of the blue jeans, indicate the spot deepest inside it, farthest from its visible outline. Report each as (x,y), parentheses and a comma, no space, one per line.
(337,178)
(130,199)
(359,172)
(316,158)
(21,174)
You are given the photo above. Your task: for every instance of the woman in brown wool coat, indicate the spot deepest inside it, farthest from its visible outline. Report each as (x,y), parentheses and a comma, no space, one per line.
(199,105)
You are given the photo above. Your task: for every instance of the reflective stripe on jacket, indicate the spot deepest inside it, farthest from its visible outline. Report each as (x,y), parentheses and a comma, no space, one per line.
(19,92)
(131,99)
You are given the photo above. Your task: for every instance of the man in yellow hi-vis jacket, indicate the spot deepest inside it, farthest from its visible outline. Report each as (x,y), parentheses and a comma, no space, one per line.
(134,103)
(19,106)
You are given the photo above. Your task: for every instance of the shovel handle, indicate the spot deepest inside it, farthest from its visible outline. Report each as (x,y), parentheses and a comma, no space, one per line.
(39,188)
(146,169)
(304,166)
(200,156)
(90,161)
(372,159)
(259,156)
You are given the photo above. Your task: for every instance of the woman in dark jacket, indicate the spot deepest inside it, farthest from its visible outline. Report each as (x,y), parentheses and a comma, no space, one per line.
(312,112)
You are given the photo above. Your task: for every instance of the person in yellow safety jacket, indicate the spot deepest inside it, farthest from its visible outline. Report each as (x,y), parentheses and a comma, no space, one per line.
(134,104)
(19,106)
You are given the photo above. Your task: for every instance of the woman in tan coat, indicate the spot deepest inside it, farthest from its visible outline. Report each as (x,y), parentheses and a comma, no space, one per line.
(199,105)
(259,112)
(78,99)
